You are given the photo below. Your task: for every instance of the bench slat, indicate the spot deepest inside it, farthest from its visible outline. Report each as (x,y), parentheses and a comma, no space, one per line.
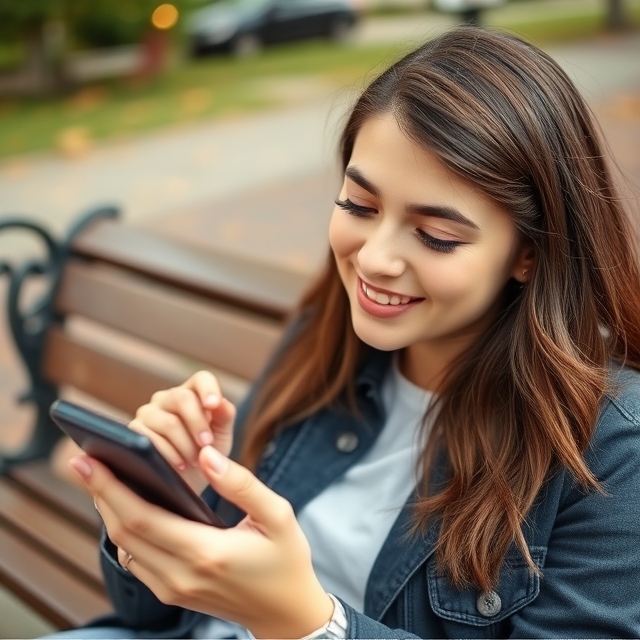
(268,289)
(55,535)
(37,479)
(123,385)
(182,322)
(46,586)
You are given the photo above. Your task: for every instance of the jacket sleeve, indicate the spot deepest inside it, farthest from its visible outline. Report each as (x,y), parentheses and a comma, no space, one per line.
(591,577)
(361,626)
(134,604)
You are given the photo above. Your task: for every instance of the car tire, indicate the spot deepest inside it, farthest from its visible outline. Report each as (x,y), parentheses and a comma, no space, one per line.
(245,45)
(340,30)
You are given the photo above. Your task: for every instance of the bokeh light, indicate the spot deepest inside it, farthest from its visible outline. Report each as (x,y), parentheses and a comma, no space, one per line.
(164,16)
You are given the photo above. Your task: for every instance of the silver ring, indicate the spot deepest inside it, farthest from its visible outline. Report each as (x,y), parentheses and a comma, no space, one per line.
(127,561)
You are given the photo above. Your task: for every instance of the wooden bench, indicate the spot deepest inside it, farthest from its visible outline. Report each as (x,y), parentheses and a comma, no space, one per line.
(123,314)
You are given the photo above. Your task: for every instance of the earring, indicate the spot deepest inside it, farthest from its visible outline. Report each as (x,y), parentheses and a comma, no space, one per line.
(524,272)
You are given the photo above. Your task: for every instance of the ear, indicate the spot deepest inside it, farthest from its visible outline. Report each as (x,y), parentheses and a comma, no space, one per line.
(523,263)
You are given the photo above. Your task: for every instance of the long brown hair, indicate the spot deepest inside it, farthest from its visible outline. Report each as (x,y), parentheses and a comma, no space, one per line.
(522,402)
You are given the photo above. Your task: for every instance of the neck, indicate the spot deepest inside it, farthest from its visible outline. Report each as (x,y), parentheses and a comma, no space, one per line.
(426,365)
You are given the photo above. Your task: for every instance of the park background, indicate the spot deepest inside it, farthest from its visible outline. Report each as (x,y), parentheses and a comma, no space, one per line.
(229,154)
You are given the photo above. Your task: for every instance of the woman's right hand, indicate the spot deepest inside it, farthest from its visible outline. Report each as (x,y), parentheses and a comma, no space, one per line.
(181,420)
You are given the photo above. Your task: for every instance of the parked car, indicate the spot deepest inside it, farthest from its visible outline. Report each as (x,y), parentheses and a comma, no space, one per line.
(243,27)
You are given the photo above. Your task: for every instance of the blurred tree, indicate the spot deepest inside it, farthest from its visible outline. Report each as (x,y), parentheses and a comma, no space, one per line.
(37,24)
(48,28)
(616,15)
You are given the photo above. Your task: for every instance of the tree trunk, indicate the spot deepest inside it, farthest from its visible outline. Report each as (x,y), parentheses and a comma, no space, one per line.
(616,16)
(471,17)
(43,63)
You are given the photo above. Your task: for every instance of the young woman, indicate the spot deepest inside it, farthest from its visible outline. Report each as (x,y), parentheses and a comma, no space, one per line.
(448,439)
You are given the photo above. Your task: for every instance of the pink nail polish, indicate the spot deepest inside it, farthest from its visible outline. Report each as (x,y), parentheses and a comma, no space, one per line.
(212,400)
(82,467)
(215,460)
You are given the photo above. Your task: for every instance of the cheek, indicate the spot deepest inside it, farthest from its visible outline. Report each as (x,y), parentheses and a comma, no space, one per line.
(471,281)
(343,238)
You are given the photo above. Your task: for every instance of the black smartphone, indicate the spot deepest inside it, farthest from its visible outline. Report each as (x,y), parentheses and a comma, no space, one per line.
(133,459)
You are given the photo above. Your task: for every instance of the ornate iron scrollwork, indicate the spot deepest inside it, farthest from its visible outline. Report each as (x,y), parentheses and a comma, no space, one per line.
(29,326)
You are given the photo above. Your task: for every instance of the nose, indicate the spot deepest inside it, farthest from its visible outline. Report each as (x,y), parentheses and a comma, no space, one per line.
(381,254)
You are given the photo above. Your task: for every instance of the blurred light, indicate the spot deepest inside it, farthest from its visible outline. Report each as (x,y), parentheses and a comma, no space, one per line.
(164,16)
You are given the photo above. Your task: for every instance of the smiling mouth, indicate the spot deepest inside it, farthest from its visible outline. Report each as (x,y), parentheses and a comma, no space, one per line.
(390,299)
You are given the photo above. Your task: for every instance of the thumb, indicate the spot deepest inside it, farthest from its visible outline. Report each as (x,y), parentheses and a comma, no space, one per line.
(238,485)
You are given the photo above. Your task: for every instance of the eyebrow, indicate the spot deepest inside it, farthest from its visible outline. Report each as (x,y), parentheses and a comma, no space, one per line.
(427,210)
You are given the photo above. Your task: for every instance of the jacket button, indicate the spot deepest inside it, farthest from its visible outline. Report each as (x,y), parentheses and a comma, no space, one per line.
(489,604)
(347,442)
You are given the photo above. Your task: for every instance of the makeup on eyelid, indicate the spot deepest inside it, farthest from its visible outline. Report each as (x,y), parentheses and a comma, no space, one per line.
(436,244)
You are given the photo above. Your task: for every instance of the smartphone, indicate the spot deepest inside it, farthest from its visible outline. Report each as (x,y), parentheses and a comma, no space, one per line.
(133,459)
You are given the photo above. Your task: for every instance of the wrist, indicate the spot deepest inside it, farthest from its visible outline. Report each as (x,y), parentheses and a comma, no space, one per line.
(299,621)
(335,628)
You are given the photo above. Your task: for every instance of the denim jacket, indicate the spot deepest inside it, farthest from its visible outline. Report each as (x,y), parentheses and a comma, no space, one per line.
(586,544)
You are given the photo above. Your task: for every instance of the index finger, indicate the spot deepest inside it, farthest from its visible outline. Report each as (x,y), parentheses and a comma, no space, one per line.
(205,385)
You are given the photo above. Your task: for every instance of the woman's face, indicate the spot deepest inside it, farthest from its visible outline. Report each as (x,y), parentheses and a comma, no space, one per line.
(423,255)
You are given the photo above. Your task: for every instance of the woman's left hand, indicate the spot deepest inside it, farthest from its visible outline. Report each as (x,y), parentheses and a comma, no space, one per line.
(258,573)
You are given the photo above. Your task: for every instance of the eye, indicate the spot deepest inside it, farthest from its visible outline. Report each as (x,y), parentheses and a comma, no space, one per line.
(443,246)
(353,208)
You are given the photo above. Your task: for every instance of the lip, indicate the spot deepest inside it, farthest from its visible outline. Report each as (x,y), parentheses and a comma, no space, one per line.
(382,310)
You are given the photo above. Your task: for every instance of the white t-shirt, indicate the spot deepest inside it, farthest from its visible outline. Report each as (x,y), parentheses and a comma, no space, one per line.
(347,524)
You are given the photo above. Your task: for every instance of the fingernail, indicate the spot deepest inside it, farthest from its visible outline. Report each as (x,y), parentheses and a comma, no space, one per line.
(82,467)
(205,438)
(181,466)
(212,400)
(215,460)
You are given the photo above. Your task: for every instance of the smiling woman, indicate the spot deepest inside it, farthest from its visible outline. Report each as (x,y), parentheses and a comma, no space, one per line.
(415,237)
(447,443)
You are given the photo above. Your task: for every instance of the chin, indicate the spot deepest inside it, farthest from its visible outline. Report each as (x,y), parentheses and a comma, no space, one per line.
(378,338)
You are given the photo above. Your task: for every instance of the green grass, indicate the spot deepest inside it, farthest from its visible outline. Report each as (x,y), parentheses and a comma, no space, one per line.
(200,89)
(547,29)
(221,87)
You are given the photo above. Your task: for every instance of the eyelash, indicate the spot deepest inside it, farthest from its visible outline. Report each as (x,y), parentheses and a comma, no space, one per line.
(442,246)
(353,208)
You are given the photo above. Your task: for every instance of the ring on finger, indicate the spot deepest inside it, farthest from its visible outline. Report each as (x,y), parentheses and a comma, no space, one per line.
(127,561)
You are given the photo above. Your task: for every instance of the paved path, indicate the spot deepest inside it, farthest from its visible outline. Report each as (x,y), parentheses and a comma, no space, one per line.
(221,160)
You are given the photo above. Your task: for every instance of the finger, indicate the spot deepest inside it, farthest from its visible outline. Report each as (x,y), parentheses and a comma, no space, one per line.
(222,426)
(168,434)
(131,522)
(124,558)
(220,413)
(238,485)
(186,405)
(206,386)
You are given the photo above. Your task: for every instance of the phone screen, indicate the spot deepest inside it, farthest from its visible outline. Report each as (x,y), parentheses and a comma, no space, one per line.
(133,459)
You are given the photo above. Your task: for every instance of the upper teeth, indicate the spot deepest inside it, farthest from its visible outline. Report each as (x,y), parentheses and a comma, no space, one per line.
(383,298)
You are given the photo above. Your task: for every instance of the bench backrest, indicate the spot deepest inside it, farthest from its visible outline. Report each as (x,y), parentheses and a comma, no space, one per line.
(123,313)
(153,311)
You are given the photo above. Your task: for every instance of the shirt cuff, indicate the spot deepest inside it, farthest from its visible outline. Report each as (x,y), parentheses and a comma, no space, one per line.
(336,628)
